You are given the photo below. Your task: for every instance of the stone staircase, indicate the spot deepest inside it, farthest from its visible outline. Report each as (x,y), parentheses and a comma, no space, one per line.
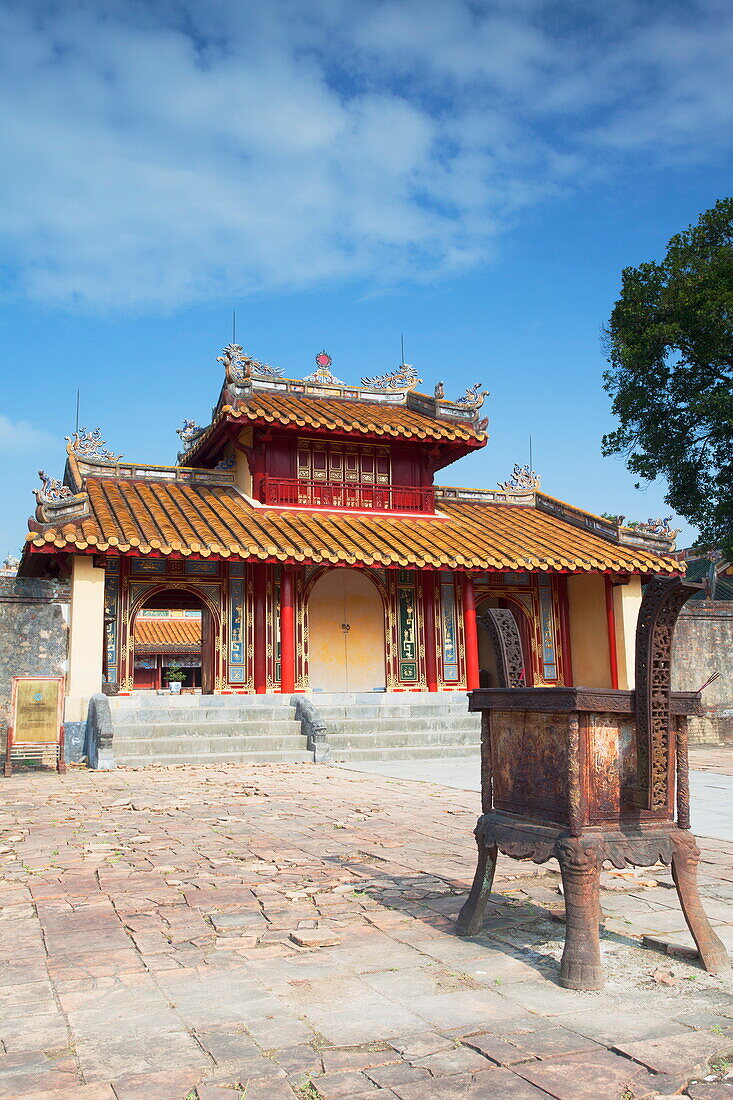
(398,725)
(200,729)
(206,729)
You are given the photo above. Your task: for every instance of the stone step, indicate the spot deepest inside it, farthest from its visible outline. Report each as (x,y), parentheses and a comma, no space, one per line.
(399,739)
(155,746)
(343,756)
(196,726)
(153,702)
(420,711)
(238,757)
(388,726)
(205,714)
(386,698)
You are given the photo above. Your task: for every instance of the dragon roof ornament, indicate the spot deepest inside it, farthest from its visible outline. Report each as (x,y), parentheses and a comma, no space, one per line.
(240,366)
(89,444)
(52,490)
(404,378)
(660,527)
(189,432)
(523,480)
(473,398)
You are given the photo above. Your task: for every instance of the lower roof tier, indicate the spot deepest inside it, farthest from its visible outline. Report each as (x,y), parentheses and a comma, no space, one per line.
(141,517)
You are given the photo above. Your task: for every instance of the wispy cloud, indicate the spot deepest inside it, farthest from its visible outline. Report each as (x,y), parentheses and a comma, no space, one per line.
(20,437)
(160,154)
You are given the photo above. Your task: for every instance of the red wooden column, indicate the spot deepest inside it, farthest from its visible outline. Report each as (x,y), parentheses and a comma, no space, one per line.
(469,628)
(259,585)
(287,632)
(611,617)
(428,603)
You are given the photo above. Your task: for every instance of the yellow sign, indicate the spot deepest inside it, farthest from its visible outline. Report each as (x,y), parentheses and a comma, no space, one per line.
(37,706)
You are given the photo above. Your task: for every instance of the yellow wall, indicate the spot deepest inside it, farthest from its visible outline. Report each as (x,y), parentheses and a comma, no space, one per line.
(589,630)
(626,604)
(243,474)
(86,636)
(351,661)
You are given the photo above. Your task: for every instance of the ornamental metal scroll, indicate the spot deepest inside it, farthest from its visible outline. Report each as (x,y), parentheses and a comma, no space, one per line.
(501,627)
(660,607)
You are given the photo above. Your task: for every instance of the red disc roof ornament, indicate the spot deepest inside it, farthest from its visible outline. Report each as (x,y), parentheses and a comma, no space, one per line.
(323,359)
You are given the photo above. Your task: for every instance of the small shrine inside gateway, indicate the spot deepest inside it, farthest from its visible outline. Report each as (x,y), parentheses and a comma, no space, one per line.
(305,532)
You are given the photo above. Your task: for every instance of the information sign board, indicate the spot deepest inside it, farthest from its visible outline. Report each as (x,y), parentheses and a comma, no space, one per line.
(35,730)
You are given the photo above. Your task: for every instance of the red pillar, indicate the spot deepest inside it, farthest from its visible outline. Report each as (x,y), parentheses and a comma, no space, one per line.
(469,627)
(287,632)
(259,585)
(428,603)
(611,618)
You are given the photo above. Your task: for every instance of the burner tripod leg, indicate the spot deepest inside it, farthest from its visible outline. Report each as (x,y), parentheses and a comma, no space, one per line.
(685,860)
(580,967)
(471,915)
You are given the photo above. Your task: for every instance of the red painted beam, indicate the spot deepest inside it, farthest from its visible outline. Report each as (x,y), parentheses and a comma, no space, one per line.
(469,627)
(287,633)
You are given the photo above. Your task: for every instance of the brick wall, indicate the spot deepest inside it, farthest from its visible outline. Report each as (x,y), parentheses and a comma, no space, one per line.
(34,617)
(703,643)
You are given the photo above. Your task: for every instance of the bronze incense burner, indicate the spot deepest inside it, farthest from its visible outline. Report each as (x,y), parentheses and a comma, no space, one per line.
(587,776)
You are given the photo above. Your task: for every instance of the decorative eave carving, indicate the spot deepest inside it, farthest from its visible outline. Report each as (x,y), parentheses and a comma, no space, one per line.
(405,377)
(239,366)
(52,490)
(473,398)
(90,445)
(523,480)
(660,528)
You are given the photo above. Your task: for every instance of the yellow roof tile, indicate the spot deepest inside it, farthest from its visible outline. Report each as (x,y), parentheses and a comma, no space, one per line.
(171,517)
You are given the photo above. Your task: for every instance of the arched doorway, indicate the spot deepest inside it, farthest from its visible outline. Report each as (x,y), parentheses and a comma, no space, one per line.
(346,633)
(503,644)
(173,626)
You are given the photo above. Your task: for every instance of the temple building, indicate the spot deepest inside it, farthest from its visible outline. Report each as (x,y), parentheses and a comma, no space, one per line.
(301,544)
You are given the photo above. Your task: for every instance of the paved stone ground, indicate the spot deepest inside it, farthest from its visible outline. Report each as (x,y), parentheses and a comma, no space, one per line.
(711,783)
(287,930)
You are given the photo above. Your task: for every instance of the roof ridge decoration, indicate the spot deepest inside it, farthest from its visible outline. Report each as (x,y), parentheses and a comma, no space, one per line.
(89,444)
(659,527)
(404,378)
(52,490)
(473,398)
(323,374)
(523,480)
(189,431)
(240,366)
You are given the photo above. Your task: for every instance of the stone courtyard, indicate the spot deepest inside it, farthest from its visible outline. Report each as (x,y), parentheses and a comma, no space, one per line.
(269,931)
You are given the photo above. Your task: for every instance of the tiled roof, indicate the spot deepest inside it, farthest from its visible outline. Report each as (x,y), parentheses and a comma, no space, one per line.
(167,632)
(359,417)
(144,516)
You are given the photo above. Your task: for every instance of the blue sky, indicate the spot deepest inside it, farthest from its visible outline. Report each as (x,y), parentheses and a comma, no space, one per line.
(474,176)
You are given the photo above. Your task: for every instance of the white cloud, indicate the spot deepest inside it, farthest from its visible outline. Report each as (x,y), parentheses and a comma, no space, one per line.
(158,154)
(22,437)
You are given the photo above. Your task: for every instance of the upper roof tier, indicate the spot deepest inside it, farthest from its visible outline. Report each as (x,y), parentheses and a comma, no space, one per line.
(388,407)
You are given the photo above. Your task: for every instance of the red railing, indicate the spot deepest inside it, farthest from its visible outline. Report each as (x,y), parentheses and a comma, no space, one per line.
(336,494)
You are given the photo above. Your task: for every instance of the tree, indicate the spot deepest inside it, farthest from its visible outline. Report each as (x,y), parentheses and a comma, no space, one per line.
(670,345)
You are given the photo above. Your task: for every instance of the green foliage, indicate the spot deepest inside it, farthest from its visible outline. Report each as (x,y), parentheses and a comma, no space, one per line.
(670,343)
(175,673)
